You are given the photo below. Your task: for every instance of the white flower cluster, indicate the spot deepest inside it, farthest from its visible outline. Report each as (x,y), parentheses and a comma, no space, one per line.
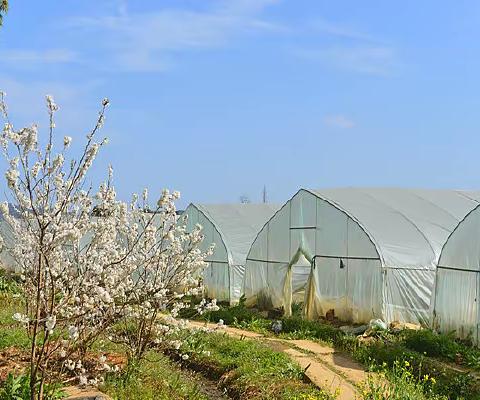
(205,306)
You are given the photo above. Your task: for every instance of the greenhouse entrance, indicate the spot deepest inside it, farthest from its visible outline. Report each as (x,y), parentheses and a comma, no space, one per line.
(296,280)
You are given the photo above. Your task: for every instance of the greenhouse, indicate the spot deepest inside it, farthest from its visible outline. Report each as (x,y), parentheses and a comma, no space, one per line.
(232,227)
(357,253)
(455,305)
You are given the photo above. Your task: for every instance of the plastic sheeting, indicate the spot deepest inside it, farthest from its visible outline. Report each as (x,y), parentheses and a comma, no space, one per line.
(375,251)
(455,306)
(6,260)
(232,227)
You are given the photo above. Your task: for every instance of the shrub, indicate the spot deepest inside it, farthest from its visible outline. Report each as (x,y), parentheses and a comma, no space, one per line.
(430,343)
(299,327)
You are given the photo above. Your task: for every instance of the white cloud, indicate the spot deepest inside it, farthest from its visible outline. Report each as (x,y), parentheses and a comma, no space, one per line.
(372,60)
(342,46)
(339,30)
(149,41)
(29,57)
(339,121)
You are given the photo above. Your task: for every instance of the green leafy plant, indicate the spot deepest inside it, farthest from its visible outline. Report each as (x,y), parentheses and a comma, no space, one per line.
(445,346)
(8,285)
(238,313)
(18,388)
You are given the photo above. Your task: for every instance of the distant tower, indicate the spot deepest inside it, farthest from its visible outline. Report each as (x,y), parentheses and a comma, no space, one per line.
(264,194)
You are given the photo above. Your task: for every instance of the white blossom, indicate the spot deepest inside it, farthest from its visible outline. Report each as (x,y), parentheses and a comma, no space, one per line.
(22,318)
(73,332)
(67,140)
(50,323)
(82,380)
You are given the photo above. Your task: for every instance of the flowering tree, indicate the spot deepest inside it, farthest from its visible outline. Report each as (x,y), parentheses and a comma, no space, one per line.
(89,263)
(162,267)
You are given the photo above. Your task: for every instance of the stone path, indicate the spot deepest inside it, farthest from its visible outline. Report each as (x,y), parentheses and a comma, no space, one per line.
(328,369)
(88,393)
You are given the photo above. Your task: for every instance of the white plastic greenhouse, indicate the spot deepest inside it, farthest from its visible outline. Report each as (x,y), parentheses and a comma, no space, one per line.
(455,304)
(232,227)
(7,262)
(363,252)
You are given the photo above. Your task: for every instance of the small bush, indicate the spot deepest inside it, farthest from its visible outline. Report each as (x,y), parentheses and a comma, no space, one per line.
(301,328)
(432,344)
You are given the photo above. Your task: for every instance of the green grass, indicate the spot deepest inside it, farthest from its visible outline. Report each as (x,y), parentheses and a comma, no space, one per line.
(11,333)
(442,346)
(156,378)
(230,315)
(449,382)
(247,368)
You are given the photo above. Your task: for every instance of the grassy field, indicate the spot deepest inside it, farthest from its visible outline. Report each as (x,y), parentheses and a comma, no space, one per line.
(209,365)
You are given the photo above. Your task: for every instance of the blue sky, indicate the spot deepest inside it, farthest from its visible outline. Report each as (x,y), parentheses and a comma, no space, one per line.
(216,98)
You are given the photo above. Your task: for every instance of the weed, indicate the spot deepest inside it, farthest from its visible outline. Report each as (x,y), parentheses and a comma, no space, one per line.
(399,383)
(443,346)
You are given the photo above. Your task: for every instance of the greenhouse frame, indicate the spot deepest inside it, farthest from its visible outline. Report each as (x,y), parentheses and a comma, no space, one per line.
(360,253)
(232,228)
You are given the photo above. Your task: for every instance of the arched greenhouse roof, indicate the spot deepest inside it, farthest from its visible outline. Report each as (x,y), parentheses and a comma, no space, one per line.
(237,224)
(407,226)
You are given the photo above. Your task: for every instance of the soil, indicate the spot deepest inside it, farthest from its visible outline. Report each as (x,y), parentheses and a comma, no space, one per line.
(12,360)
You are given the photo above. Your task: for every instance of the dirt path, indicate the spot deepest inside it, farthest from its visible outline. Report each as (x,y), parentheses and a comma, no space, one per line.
(204,385)
(327,368)
(89,393)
